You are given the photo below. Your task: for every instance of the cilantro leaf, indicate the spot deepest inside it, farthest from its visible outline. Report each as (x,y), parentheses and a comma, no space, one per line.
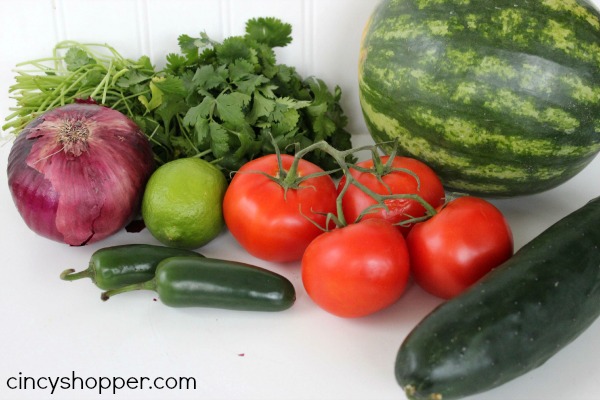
(170,84)
(268,91)
(269,31)
(207,77)
(93,78)
(193,50)
(200,111)
(219,139)
(144,63)
(234,48)
(267,59)
(131,78)
(169,109)
(202,132)
(286,121)
(76,58)
(230,107)
(249,85)
(245,144)
(181,146)
(240,69)
(176,63)
(188,45)
(261,107)
(323,126)
(241,74)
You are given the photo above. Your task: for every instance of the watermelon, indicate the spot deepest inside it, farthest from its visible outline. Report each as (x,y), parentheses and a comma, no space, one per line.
(501,98)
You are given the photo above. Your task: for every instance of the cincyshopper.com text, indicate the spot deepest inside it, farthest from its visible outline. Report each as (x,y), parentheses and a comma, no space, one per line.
(100,384)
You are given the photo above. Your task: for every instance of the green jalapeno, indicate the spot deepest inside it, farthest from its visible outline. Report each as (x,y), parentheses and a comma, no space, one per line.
(208,282)
(118,266)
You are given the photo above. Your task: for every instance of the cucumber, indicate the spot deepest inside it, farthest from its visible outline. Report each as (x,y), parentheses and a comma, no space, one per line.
(513,320)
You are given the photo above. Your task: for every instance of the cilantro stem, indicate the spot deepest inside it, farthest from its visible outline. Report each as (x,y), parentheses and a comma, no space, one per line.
(203,153)
(119,74)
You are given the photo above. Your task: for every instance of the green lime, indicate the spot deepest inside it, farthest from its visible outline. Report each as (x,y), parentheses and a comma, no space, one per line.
(183,203)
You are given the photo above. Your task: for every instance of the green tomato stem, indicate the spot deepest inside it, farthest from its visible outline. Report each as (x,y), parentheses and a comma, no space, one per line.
(290,179)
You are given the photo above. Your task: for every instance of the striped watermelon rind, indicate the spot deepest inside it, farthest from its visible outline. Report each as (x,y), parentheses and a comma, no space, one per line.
(501,98)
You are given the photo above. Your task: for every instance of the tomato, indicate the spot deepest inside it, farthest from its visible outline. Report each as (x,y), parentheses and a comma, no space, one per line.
(429,187)
(269,222)
(356,270)
(459,245)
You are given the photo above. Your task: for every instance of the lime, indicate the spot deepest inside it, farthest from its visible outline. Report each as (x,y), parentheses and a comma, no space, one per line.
(183,203)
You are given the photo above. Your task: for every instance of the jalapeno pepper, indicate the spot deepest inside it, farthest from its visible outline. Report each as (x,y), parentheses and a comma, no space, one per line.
(208,282)
(118,266)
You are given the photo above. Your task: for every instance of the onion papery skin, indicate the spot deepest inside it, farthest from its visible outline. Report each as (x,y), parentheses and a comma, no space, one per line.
(83,184)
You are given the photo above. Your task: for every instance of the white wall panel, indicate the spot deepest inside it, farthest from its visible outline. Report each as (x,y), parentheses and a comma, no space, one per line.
(28,30)
(116,22)
(336,35)
(166,20)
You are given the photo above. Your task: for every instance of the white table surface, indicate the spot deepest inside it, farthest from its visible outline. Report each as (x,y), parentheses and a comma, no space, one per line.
(52,328)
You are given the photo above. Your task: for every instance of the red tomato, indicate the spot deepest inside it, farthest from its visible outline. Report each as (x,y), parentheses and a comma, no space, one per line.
(356,270)
(459,245)
(269,223)
(355,201)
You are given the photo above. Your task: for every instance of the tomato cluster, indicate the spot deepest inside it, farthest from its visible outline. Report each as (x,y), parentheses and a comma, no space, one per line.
(395,223)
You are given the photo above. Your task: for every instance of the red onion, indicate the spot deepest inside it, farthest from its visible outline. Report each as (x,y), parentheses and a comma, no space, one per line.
(77,173)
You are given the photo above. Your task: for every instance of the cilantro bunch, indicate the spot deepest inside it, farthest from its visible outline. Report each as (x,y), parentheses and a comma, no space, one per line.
(227,102)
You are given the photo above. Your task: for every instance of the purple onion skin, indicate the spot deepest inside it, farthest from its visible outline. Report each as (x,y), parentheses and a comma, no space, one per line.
(77,173)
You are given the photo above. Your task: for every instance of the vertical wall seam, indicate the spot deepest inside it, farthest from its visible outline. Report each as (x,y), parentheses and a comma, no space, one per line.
(309,36)
(226,18)
(60,25)
(143,20)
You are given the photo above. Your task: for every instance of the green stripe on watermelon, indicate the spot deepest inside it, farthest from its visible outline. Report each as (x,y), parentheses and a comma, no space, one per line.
(519,172)
(501,98)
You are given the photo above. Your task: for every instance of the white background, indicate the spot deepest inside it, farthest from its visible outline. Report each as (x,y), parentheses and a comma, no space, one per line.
(53,328)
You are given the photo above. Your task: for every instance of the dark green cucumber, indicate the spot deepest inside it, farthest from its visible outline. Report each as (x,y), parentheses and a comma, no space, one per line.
(513,320)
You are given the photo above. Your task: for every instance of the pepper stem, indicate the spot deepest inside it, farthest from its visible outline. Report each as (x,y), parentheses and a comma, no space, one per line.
(148,285)
(71,275)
